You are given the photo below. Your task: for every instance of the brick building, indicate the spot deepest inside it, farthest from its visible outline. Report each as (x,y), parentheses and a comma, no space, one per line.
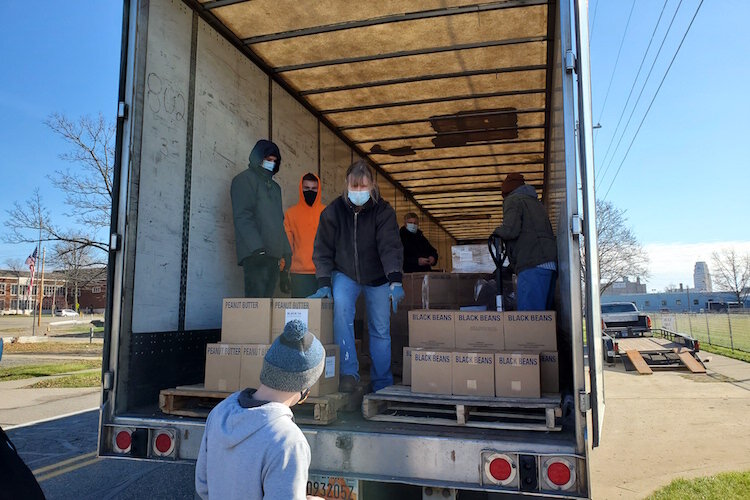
(59,291)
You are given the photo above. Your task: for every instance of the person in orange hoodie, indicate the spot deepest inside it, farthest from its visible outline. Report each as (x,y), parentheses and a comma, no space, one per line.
(301,225)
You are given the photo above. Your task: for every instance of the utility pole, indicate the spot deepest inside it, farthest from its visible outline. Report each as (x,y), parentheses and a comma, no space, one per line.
(41,291)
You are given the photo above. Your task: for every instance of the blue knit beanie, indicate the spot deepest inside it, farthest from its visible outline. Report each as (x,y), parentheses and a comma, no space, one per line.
(294,361)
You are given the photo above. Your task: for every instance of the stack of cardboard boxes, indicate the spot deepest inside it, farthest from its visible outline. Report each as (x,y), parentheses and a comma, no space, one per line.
(248,326)
(433,290)
(487,353)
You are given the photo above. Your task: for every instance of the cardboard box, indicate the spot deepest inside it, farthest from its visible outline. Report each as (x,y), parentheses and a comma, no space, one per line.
(549,365)
(317,314)
(437,288)
(517,375)
(474,373)
(223,363)
(432,329)
(479,330)
(252,364)
(246,321)
(431,371)
(328,383)
(465,285)
(530,331)
(406,367)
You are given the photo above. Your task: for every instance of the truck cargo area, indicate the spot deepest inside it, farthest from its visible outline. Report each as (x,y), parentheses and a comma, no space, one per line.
(444,98)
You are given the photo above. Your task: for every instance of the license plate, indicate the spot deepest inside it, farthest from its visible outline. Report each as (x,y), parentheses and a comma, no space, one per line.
(333,487)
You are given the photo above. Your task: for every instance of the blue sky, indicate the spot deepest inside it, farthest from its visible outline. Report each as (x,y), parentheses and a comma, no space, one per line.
(683,184)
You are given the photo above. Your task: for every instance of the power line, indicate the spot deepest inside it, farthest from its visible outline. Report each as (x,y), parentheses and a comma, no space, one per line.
(654,98)
(593,21)
(617,60)
(635,80)
(643,88)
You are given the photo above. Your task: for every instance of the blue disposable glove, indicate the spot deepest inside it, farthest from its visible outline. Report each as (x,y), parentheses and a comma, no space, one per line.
(397,295)
(323,292)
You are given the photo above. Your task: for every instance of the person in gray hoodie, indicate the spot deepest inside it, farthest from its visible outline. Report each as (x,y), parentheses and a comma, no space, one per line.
(530,242)
(251,448)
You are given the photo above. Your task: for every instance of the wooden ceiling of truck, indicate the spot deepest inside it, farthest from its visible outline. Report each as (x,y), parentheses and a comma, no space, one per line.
(445,97)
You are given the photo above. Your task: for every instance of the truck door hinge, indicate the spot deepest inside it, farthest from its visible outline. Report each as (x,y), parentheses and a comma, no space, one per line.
(584,401)
(570,61)
(114,242)
(576,225)
(122,110)
(107,380)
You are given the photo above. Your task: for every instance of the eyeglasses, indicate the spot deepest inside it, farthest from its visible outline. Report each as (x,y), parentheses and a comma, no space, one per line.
(303,396)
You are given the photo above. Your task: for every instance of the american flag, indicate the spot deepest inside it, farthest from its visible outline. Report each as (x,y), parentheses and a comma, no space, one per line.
(31,262)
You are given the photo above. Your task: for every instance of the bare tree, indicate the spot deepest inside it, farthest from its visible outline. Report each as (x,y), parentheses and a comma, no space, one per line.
(620,253)
(79,267)
(15,266)
(731,273)
(87,188)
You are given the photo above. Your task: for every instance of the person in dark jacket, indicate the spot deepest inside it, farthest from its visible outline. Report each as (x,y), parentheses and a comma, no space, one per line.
(419,255)
(358,250)
(530,243)
(262,246)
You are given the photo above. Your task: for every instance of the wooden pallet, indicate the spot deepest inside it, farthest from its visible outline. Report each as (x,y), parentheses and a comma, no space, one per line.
(398,404)
(195,401)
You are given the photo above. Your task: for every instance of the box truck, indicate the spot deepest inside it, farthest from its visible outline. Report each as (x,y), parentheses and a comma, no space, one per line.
(443,98)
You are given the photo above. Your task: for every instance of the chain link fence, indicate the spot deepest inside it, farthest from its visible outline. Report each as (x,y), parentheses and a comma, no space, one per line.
(726,329)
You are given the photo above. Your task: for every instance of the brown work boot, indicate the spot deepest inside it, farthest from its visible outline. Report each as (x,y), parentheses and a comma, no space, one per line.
(347,383)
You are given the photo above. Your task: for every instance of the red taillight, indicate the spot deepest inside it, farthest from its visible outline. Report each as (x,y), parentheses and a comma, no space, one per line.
(648,322)
(697,345)
(500,469)
(163,443)
(123,440)
(558,473)
(617,348)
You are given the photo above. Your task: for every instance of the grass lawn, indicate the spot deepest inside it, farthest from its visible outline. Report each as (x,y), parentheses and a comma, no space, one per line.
(725,486)
(87,379)
(741,355)
(30,371)
(53,348)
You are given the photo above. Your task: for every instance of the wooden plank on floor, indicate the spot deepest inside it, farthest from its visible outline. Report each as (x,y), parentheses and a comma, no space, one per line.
(692,363)
(638,362)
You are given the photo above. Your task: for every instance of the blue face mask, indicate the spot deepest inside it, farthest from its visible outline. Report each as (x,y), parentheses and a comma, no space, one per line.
(412,228)
(268,165)
(359,198)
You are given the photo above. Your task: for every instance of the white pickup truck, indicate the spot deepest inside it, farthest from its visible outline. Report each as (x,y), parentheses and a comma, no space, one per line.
(623,319)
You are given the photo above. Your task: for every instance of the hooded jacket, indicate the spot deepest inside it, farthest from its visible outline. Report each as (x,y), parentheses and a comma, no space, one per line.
(301,225)
(252,450)
(526,230)
(416,246)
(256,207)
(361,242)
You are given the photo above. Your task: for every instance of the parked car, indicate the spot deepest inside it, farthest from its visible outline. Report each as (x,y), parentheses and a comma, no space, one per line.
(66,312)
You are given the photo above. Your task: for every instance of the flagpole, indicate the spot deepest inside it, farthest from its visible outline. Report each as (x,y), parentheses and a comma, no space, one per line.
(41,291)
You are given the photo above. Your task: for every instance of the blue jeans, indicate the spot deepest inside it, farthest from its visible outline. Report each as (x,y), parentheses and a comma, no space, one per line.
(536,289)
(377,300)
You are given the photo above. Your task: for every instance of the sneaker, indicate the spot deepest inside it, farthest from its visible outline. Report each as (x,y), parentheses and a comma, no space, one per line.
(347,383)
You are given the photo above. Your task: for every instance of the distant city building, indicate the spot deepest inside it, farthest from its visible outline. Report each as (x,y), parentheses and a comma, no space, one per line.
(626,286)
(702,277)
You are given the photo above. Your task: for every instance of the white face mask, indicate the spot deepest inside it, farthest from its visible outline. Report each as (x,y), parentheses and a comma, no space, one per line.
(359,198)
(412,228)
(268,165)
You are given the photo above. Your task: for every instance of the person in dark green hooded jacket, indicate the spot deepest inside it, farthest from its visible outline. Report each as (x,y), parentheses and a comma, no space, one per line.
(263,249)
